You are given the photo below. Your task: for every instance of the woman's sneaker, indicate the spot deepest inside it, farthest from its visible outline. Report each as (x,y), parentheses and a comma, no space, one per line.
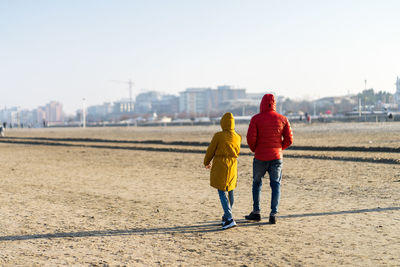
(228,224)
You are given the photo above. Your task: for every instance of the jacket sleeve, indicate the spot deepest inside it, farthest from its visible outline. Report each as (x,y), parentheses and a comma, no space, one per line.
(212,147)
(287,136)
(252,135)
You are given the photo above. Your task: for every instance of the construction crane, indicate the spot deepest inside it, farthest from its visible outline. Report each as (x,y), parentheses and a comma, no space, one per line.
(130,86)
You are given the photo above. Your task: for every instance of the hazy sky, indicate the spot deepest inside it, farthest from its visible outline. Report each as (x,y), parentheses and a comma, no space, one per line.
(66,50)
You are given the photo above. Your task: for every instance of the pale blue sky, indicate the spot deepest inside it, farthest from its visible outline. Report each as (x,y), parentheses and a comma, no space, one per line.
(66,50)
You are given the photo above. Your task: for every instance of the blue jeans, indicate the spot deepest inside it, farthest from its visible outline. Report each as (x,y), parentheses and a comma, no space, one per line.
(226,205)
(274,169)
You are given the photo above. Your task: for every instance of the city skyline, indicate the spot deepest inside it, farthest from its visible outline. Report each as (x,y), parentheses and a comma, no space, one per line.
(134,101)
(70,50)
(202,103)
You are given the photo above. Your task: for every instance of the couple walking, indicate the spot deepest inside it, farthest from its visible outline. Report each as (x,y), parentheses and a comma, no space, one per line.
(269,133)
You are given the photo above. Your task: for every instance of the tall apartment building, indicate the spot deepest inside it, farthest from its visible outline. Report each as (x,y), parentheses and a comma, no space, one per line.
(202,101)
(54,112)
(195,100)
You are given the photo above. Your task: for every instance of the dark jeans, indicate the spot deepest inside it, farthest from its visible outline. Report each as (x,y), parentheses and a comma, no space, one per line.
(274,169)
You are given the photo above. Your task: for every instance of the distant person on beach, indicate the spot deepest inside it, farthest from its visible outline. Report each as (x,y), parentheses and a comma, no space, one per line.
(269,133)
(1,131)
(223,151)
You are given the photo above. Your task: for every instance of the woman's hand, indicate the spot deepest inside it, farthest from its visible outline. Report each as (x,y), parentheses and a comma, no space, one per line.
(208,166)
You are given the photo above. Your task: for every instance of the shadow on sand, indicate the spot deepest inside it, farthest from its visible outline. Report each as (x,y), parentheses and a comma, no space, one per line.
(206,227)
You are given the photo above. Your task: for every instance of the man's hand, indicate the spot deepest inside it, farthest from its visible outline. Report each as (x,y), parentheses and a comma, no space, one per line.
(208,166)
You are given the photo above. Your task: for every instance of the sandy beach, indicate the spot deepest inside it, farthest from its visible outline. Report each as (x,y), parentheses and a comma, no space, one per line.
(81,197)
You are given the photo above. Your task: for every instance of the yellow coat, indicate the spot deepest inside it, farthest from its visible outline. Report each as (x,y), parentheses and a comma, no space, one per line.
(224,150)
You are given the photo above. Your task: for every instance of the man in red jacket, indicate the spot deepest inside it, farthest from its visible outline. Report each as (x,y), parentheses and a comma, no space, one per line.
(269,133)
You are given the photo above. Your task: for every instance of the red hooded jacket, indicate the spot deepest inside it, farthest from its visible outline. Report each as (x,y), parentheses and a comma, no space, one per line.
(269,132)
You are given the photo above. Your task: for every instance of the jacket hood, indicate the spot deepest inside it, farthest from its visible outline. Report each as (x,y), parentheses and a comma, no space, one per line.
(268,103)
(227,122)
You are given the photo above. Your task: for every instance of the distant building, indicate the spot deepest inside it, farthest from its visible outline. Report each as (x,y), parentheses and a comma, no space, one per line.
(26,118)
(168,104)
(39,115)
(227,93)
(54,113)
(334,105)
(196,100)
(16,117)
(99,112)
(144,101)
(123,107)
(202,101)
(10,116)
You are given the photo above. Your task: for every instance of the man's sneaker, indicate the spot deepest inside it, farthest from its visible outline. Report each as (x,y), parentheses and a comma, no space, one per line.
(228,224)
(272,219)
(223,220)
(253,216)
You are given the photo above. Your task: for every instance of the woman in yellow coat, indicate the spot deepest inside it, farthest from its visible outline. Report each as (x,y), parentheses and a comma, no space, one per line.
(223,151)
